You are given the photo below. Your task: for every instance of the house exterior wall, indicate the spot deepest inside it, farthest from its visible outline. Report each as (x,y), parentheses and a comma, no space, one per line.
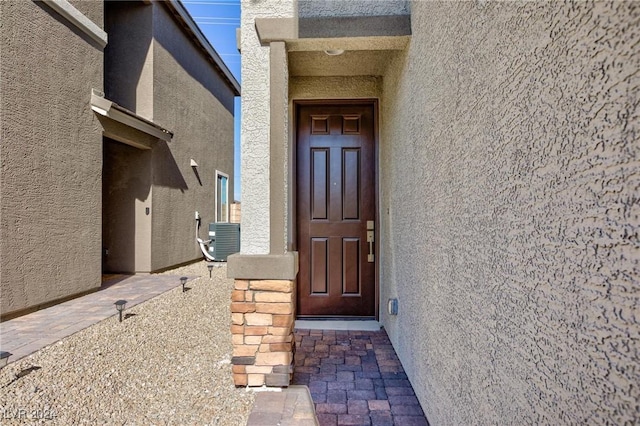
(93,10)
(192,100)
(50,207)
(509,172)
(157,71)
(129,65)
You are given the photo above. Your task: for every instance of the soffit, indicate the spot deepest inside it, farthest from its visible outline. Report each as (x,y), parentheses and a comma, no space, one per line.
(368,43)
(350,63)
(362,56)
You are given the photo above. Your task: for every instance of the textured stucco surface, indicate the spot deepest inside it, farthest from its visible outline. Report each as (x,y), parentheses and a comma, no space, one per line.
(129,75)
(94,10)
(360,62)
(255,130)
(330,8)
(158,72)
(126,228)
(192,100)
(50,156)
(510,173)
(334,87)
(349,43)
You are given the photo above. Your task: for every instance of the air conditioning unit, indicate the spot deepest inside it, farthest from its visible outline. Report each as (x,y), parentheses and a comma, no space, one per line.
(225,240)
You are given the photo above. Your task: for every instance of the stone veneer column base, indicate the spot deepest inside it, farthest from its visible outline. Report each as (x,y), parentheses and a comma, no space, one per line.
(263,313)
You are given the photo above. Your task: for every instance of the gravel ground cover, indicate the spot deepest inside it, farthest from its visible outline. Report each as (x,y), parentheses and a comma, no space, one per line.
(167,363)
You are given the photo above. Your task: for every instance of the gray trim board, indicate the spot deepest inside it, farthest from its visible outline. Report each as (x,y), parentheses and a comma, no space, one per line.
(276,29)
(77,19)
(288,29)
(355,26)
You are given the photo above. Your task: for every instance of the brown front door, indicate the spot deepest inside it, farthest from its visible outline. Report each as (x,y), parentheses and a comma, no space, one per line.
(336,206)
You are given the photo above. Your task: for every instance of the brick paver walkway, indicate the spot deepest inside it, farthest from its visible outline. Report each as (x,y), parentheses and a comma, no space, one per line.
(29,333)
(355,378)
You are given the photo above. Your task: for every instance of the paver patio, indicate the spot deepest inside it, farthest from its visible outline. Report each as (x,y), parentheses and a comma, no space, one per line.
(355,378)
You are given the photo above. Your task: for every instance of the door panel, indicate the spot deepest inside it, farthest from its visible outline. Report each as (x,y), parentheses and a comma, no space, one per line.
(320,184)
(336,198)
(319,265)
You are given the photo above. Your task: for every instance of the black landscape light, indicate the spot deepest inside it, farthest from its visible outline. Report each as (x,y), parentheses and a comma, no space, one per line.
(120,307)
(4,358)
(210,266)
(183,281)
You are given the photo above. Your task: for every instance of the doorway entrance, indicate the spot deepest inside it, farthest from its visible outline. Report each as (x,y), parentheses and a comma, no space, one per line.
(336,208)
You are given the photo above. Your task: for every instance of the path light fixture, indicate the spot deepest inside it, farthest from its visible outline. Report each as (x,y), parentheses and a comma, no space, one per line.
(120,307)
(183,281)
(210,266)
(4,358)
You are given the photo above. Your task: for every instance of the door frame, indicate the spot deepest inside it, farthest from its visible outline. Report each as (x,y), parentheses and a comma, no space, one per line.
(374,102)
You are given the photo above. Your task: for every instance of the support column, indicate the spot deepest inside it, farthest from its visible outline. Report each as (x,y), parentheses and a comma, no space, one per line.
(263,308)
(278,110)
(262,314)
(263,305)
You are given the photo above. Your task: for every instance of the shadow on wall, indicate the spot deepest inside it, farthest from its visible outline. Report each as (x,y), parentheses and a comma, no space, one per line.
(66,23)
(128,175)
(129,26)
(126,181)
(191,59)
(165,169)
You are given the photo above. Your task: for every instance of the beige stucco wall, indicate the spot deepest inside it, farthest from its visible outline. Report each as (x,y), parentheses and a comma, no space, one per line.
(335,87)
(158,72)
(255,127)
(509,170)
(50,156)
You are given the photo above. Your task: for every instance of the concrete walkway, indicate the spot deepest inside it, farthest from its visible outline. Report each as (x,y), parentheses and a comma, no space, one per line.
(29,333)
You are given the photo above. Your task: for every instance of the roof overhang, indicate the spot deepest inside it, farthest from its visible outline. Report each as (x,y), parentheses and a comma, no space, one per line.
(366,44)
(184,18)
(122,122)
(291,29)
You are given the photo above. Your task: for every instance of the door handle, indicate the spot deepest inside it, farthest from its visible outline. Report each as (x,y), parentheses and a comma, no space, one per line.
(370,240)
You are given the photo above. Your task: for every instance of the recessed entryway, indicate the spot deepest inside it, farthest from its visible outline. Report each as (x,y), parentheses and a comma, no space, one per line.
(336,208)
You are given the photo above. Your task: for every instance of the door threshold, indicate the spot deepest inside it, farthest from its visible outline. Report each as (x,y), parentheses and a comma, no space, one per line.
(332,324)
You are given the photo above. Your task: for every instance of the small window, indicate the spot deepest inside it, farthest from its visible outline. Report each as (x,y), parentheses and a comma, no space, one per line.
(222,197)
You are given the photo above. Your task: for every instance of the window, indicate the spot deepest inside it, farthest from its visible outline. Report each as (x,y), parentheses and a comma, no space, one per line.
(222,197)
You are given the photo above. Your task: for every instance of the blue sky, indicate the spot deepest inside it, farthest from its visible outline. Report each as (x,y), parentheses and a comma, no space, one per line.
(218,20)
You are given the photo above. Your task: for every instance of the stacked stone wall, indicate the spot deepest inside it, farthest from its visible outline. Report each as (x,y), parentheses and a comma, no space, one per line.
(262,314)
